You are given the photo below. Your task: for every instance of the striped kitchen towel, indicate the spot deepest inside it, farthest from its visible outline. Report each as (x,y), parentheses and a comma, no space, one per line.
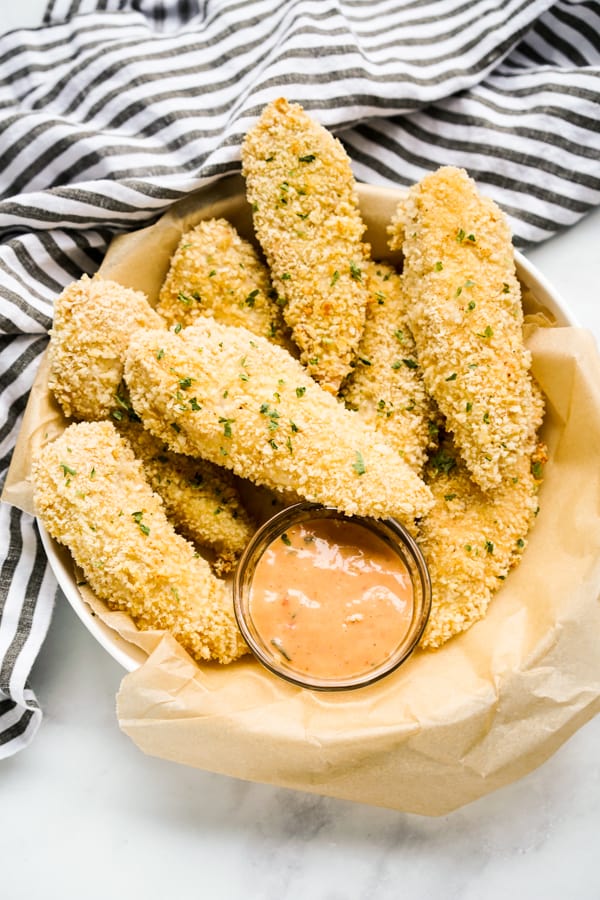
(113,109)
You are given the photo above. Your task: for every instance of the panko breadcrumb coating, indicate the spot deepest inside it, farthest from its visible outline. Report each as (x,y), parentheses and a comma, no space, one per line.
(93,320)
(386,385)
(471,539)
(200,499)
(91,494)
(466,317)
(220,392)
(307,220)
(216,272)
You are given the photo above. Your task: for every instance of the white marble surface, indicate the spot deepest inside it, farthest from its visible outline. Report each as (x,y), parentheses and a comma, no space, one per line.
(85,815)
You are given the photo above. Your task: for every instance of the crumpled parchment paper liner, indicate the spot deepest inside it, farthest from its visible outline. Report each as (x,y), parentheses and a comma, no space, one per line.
(450,725)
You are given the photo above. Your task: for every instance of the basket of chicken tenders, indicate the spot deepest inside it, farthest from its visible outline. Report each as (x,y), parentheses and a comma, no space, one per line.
(289,339)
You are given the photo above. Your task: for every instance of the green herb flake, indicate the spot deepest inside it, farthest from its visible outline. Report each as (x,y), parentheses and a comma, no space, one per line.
(537,469)
(439,266)
(177,328)
(359,464)
(251,298)
(226,423)
(487,333)
(471,305)
(520,543)
(286,540)
(486,418)
(308,158)
(505,288)
(443,462)
(452,377)
(67,470)
(300,391)
(472,238)
(449,497)
(334,278)
(185,383)
(460,236)
(286,276)
(355,271)
(160,353)
(469,406)
(184,298)
(489,547)
(410,363)
(399,335)
(397,364)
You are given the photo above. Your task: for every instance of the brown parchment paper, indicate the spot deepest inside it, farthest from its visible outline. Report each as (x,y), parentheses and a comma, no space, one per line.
(450,725)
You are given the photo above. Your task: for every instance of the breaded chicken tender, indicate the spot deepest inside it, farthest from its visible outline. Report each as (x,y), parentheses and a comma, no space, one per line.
(220,392)
(91,494)
(93,320)
(200,499)
(471,539)
(216,272)
(386,385)
(466,317)
(307,220)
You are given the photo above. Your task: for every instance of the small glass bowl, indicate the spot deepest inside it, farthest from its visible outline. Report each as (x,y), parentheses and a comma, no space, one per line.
(387,530)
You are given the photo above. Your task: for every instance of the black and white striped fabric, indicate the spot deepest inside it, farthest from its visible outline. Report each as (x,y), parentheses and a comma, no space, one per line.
(115,108)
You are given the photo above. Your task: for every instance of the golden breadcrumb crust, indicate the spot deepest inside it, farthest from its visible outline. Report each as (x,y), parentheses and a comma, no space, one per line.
(307,220)
(91,494)
(216,272)
(471,539)
(200,499)
(386,386)
(466,317)
(93,319)
(219,392)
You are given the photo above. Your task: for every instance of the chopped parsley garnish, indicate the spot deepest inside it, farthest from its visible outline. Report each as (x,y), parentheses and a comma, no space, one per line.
(443,462)
(177,328)
(471,305)
(286,540)
(487,333)
(286,276)
(449,497)
(410,363)
(160,353)
(489,547)
(251,298)
(334,278)
(137,518)
(460,235)
(452,377)
(300,391)
(359,464)
(226,423)
(505,288)
(67,470)
(399,335)
(355,271)
(185,383)
(310,157)
(537,469)
(439,266)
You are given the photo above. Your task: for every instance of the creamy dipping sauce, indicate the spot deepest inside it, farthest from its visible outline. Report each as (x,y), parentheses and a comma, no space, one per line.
(331,599)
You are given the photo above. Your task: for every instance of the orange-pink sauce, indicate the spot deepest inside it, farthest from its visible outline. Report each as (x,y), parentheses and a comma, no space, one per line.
(331,599)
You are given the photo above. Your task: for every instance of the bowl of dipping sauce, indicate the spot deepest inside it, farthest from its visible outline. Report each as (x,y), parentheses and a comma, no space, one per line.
(328,601)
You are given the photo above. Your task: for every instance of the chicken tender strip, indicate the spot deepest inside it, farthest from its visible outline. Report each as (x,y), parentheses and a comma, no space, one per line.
(220,392)
(307,220)
(200,499)
(93,320)
(91,494)
(466,317)
(386,385)
(216,272)
(471,539)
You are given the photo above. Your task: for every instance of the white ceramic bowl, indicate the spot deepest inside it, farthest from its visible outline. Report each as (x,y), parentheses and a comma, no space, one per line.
(226,198)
